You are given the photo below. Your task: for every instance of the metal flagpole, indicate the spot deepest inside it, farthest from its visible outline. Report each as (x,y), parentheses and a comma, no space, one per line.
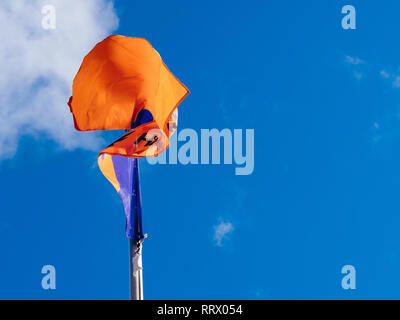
(135,269)
(135,246)
(135,243)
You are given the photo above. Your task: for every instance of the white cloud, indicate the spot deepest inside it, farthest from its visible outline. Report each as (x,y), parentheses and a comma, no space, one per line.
(221,232)
(384,74)
(356,66)
(393,76)
(354,60)
(396,82)
(37,68)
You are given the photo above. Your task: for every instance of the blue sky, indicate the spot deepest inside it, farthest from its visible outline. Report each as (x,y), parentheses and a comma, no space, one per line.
(324,104)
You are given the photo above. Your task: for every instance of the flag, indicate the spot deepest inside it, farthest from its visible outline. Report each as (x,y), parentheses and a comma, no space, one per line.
(124,84)
(123,173)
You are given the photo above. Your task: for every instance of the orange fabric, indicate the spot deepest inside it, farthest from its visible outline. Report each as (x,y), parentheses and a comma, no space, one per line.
(117,79)
(107,168)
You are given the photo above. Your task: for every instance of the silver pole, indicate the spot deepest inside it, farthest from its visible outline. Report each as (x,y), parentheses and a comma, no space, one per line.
(135,264)
(135,269)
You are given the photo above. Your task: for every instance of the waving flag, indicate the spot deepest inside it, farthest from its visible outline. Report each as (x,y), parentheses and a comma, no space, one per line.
(123,173)
(124,84)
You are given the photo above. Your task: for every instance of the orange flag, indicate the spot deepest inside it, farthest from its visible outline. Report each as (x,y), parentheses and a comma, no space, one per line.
(124,84)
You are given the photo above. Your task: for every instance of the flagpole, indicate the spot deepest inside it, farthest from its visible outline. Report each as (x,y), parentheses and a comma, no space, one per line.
(135,246)
(135,269)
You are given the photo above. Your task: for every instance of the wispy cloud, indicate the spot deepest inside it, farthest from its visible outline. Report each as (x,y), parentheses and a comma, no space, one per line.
(384,74)
(222,231)
(376,132)
(356,65)
(353,60)
(37,67)
(394,77)
(396,82)
(358,69)
(384,129)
